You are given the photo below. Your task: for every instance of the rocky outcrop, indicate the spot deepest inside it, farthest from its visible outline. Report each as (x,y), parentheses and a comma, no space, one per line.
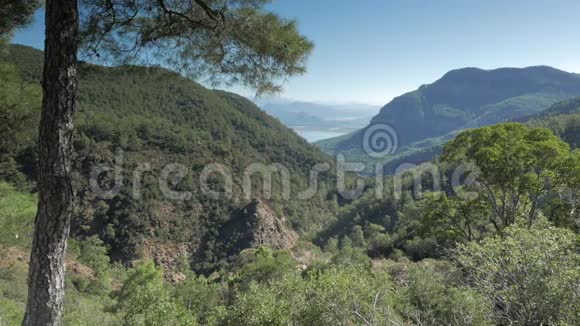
(167,254)
(255,225)
(164,253)
(266,228)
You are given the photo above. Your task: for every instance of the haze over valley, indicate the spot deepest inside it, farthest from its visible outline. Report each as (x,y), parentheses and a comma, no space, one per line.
(317,121)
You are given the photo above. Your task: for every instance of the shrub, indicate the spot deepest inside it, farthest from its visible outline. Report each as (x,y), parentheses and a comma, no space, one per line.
(531,274)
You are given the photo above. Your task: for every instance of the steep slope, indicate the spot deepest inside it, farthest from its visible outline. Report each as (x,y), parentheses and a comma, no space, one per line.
(143,120)
(464,98)
(568,107)
(562,118)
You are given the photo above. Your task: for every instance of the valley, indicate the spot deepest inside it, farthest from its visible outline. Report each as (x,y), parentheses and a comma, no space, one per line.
(315,121)
(123,235)
(138,188)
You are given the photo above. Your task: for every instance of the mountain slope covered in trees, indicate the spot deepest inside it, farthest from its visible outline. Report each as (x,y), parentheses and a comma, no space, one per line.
(461,99)
(404,258)
(151,118)
(562,118)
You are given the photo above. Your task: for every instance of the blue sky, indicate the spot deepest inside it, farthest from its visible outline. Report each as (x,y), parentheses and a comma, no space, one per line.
(369,51)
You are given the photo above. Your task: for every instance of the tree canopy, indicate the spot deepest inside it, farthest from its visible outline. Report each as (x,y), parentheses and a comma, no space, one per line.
(515,167)
(225,41)
(15,13)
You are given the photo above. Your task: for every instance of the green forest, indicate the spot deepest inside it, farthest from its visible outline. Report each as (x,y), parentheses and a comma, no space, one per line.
(464,255)
(153,201)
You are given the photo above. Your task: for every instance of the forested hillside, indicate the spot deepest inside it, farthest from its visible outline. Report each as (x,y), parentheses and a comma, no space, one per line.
(421,248)
(134,193)
(562,118)
(437,259)
(155,117)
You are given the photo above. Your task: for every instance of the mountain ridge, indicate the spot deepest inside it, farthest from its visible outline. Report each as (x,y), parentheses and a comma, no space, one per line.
(463,98)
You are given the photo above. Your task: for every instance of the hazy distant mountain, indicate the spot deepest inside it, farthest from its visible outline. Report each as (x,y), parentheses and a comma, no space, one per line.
(322,119)
(465,98)
(319,110)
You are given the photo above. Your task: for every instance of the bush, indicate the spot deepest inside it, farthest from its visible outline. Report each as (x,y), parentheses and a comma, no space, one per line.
(144,300)
(337,296)
(531,274)
(432,299)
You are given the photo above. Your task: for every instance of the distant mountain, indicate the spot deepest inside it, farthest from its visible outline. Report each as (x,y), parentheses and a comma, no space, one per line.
(319,110)
(304,117)
(463,98)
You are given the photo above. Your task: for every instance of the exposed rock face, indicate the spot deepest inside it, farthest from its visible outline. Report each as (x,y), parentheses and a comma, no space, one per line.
(164,253)
(167,255)
(252,225)
(265,228)
(257,224)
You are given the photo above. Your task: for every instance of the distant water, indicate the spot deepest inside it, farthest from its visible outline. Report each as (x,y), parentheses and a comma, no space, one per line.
(316,135)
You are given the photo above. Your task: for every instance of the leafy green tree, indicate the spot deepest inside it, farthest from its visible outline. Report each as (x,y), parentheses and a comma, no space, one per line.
(278,303)
(349,255)
(202,298)
(331,246)
(337,296)
(561,205)
(265,266)
(230,41)
(454,219)
(357,236)
(345,243)
(347,296)
(227,40)
(379,241)
(516,167)
(532,275)
(418,248)
(94,254)
(144,300)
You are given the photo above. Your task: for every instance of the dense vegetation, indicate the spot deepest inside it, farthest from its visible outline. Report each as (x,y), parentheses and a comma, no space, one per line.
(513,164)
(562,118)
(532,271)
(157,117)
(502,250)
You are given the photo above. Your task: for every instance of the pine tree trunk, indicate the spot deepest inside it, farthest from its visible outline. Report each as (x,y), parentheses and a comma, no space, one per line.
(47,258)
